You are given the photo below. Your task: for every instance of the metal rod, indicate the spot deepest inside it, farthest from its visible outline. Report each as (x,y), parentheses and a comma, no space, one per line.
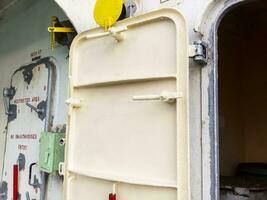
(15,182)
(44,176)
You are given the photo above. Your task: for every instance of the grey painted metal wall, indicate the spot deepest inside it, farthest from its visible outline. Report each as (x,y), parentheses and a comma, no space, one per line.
(23,30)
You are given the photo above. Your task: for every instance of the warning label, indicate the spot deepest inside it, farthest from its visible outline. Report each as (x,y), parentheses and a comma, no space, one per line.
(24,136)
(27,100)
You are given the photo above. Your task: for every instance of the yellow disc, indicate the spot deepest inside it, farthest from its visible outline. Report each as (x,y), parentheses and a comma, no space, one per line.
(107,12)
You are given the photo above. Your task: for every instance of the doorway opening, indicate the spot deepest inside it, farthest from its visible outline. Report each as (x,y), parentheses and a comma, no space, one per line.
(242,95)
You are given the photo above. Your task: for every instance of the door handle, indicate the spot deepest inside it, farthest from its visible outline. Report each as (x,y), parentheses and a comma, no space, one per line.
(35,184)
(35,108)
(40,109)
(165,96)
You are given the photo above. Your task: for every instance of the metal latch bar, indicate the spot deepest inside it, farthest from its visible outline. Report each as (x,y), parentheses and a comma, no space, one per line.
(53,29)
(165,96)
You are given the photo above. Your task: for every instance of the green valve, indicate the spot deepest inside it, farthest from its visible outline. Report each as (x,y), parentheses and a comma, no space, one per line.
(52,148)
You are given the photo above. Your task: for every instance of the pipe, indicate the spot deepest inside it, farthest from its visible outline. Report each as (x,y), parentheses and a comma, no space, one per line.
(44,176)
(15,182)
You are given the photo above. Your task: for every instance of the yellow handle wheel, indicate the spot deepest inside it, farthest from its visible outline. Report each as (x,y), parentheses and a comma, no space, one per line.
(107,12)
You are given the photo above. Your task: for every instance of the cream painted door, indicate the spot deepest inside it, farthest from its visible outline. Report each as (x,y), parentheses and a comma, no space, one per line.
(128,115)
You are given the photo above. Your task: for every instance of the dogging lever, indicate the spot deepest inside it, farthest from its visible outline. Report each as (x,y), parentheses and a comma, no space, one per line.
(165,96)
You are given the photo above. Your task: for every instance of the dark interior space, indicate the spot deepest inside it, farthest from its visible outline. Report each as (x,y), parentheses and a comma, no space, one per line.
(242,78)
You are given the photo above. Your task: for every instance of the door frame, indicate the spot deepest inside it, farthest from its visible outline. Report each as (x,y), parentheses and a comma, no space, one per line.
(74,103)
(209,25)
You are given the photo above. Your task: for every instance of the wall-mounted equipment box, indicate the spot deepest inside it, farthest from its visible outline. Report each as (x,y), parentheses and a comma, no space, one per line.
(51,151)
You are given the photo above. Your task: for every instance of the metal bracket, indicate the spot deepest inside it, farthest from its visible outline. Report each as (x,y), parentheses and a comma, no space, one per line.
(12,112)
(27,74)
(198,52)
(131,8)
(21,161)
(9,92)
(56,29)
(10,109)
(61,168)
(75,103)
(115,32)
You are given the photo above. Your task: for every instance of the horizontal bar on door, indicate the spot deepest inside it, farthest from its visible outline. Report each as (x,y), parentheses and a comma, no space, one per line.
(123,179)
(125,80)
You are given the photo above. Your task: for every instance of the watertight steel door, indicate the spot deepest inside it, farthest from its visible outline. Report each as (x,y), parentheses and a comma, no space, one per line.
(27,119)
(128,116)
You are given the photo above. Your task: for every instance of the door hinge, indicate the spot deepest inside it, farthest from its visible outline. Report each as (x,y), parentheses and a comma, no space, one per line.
(75,103)
(198,51)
